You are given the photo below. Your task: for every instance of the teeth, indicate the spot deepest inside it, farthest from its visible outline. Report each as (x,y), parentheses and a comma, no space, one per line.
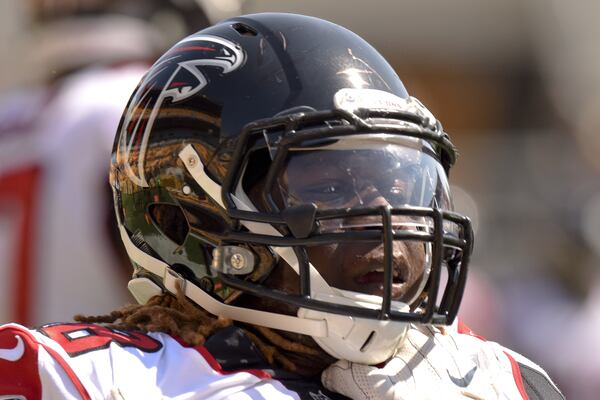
(381,269)
(395,273)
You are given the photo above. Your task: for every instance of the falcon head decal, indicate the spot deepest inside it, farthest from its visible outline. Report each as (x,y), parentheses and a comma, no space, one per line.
(177,75)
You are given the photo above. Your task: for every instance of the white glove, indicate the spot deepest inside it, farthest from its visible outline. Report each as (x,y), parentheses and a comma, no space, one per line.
(431,364)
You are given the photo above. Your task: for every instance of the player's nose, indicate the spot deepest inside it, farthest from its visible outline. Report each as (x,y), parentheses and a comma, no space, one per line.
(372,197)
(367,197)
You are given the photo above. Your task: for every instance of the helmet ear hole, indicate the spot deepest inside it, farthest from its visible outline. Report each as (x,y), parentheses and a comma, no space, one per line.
(171,221)
(206,220)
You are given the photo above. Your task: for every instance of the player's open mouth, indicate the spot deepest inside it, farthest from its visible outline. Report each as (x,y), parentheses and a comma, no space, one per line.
(373,282)
(376,276)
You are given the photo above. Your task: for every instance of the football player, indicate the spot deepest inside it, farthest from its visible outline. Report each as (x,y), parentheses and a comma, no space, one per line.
(286,208)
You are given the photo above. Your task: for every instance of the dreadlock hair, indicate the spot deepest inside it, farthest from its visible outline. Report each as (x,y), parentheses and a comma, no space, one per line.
(177,316)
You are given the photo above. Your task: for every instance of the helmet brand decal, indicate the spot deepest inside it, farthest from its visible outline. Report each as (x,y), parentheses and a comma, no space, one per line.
(176,76)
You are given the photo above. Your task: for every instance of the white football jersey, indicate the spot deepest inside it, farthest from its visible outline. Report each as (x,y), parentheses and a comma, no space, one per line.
(85,361)
(90,361)
(56,258)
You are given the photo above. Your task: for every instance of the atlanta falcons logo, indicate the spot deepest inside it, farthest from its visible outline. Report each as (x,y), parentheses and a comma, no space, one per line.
(177,75)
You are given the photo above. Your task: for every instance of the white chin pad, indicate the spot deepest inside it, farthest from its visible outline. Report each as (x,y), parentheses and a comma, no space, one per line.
(359,340)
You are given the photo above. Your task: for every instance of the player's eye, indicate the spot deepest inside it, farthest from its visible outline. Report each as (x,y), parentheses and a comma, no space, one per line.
(329,193)
(325,190)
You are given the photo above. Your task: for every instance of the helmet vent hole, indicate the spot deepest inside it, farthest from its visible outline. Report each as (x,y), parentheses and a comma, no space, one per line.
(171,221)
(244,29)
(367,342)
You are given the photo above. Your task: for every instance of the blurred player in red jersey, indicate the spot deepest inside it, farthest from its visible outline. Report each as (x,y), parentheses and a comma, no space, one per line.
(55,208)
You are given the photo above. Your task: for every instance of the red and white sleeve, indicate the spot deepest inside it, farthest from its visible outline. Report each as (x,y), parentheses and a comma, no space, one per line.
(32,370)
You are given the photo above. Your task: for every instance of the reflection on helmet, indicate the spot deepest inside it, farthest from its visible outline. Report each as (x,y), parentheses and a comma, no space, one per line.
(251,130)
(342,173)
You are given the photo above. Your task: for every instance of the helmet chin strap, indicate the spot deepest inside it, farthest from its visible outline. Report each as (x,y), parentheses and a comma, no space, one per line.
(344,337)
(171,280)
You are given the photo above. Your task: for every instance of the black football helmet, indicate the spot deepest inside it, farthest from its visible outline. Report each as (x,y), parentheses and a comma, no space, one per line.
(212,166)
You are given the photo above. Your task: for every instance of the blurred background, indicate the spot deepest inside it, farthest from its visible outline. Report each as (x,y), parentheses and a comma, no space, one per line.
(515,83)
